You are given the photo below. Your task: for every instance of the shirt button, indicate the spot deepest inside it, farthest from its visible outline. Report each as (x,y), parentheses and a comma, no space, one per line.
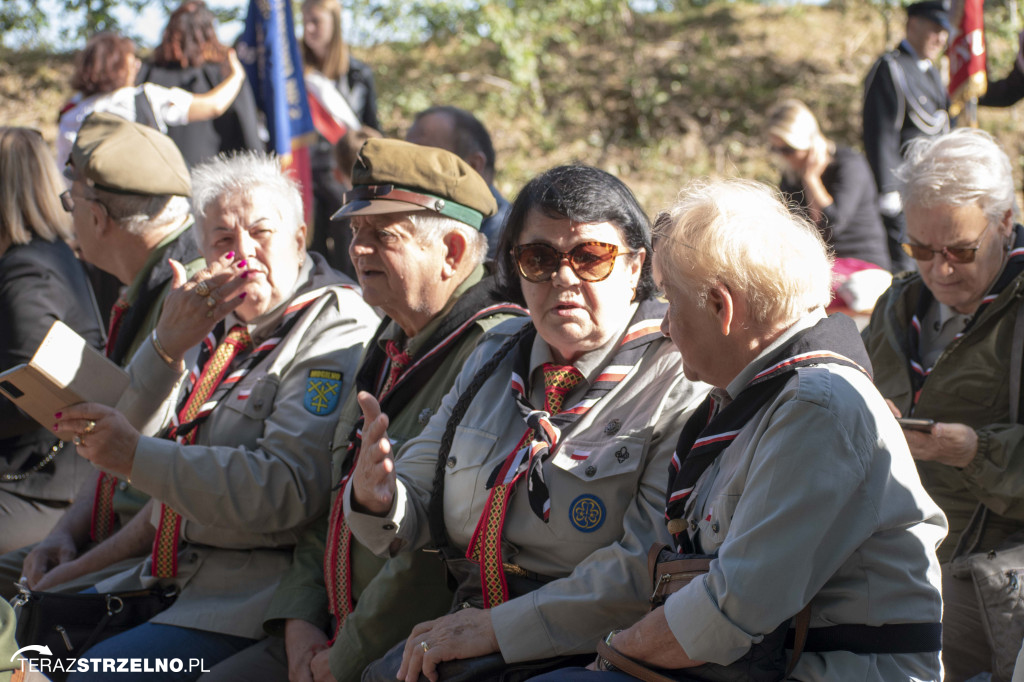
(451,462)
(591,470)
(714,527)
(388,526)
(693,524)
(122,486)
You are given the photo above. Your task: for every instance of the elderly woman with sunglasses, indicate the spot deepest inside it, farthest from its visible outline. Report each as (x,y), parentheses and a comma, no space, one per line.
(941,342)
(560,430)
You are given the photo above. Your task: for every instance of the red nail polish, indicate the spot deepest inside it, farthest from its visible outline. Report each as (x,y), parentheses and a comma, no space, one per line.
(241,264)
(229,255)
(245,274)
(54,427)
(241,295)
(58,415)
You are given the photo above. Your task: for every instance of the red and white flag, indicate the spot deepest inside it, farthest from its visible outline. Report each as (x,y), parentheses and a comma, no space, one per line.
(966,54)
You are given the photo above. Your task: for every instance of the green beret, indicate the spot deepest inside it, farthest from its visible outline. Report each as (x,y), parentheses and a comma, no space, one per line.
(117,155)
(392,176)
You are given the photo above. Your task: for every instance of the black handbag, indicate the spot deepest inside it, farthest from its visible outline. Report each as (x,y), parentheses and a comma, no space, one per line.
(69,624)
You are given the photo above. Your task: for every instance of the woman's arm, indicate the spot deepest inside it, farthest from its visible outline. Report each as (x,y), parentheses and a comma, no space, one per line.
(215,102)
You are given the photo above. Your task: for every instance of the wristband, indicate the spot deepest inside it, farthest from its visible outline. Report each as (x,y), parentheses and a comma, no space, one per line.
(164,355)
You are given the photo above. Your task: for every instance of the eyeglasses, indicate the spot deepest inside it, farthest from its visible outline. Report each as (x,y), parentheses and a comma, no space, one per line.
(590,261)
(784,150)
(67,201)
(952,254)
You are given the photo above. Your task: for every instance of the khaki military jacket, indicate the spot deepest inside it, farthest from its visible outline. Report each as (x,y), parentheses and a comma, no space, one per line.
(607,479)
(255,478)
(969,384)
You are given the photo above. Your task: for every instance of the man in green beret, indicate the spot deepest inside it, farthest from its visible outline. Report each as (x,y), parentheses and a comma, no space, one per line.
(130,210)
(415,214)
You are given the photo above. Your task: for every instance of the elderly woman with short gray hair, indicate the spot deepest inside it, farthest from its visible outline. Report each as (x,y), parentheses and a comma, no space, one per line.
(245,368)
(942,342)
(793,477)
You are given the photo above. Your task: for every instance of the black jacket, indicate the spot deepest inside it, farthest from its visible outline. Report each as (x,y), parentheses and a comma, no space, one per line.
(40,282)
(901,102)
(235,130)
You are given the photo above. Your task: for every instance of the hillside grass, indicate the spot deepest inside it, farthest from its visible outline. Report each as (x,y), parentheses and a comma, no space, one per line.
(657,100)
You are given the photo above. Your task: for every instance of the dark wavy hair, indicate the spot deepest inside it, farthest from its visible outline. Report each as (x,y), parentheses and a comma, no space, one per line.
(104,65)
(582,194)
(190,38)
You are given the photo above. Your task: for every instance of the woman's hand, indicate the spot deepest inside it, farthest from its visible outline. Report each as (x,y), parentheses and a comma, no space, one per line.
(373,481)
(464,634)
(955,445)
(60,574)
(194,306)
(104,436)
(302,641)
(53,551)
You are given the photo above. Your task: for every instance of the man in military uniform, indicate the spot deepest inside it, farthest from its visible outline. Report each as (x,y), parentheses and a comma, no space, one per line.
(417,248)
(904,98)
(129,205)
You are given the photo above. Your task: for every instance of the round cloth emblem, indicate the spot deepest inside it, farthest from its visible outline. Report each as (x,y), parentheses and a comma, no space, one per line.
(586,513)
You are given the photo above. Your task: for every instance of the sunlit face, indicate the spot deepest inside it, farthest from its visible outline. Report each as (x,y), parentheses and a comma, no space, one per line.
(796,159)
(571,315)
(87,216)
(926,37)
(253,227)
(958,285)
(317,29)
(694,330)
(397,272)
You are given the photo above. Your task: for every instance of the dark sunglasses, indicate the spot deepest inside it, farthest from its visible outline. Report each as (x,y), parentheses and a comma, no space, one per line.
(591,261)
(784,150)
(952,254)
(67,201)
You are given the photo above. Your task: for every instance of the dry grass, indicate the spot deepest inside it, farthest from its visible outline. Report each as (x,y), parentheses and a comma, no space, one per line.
(675,96)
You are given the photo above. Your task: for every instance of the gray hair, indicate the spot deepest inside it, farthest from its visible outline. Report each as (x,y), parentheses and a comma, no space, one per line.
(140,213)
(740,233)
(433,227)
(246,173)
(961,168)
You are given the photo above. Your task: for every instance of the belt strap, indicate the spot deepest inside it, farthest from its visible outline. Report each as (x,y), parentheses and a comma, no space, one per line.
(894,638)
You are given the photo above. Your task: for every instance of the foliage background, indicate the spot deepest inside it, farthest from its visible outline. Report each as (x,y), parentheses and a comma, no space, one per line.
(657,93)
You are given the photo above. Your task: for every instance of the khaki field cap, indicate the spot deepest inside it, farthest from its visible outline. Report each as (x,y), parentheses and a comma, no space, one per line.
(392,176)
(117,155)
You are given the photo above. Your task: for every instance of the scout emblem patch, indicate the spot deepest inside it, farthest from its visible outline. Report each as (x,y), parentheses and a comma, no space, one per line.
(586,513)
(323,390)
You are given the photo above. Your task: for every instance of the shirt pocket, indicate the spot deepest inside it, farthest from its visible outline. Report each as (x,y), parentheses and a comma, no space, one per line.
(589,460)
(255,401)
(715,520)
(466,477)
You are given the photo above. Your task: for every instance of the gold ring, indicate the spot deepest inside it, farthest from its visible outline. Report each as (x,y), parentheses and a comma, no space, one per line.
(211,302)
(77,440)
(424,646)
(203,289)
(90,427)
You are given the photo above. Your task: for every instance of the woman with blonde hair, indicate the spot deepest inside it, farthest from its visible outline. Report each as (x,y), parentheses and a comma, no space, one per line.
(342,97)
(40,282)
(833,187)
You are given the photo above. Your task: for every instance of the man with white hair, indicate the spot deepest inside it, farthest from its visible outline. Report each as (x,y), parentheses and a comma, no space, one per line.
(944,342)
(792,477)
(130,211)
(418,251)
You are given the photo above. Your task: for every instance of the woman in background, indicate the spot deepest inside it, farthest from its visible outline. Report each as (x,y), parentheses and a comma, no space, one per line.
(833,187)
(191,57)
(343,98)
(104,77)
(40,282)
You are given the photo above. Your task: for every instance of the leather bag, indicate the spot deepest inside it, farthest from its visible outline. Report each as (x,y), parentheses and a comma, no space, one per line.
(70,624)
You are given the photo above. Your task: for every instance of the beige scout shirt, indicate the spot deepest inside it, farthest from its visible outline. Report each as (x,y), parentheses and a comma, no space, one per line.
(256,476)
(817,498)
(617,453)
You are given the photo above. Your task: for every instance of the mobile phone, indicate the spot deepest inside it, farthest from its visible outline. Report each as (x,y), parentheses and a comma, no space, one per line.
(916,424)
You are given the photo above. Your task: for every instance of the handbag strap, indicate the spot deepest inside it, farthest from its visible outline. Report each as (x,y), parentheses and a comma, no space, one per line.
(610,656)
(435,510)
(1016,360)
